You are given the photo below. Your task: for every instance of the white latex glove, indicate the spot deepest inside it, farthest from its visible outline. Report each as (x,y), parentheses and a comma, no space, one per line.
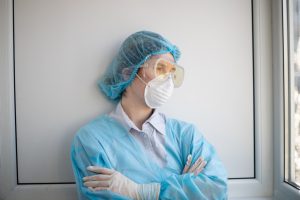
(109,179)
(197,167)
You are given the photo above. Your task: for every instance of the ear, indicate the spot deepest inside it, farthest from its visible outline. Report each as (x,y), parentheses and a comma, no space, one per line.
(126,73)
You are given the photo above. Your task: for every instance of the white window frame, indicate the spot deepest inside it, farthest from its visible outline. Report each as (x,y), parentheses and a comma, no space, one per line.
(261,186)
(282,190)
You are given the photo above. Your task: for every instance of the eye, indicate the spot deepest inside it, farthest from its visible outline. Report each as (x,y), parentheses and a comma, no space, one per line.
(159,68)
(173,69)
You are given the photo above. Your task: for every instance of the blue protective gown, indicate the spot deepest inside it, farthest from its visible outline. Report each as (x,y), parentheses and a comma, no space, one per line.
(104,142)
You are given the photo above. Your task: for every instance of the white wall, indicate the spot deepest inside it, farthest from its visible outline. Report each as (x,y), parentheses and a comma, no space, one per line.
(62,47)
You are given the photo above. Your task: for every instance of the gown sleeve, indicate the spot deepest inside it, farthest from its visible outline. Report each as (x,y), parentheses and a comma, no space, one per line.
(86,150)
(210,184)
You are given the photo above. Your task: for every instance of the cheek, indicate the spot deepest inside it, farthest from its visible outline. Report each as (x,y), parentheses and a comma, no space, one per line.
(148,74)
(138,87)
(149,77)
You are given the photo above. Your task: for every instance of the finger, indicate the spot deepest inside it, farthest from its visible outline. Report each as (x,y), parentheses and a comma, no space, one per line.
(198,171)
(202,164)
(92,189)
(100,188)
(102,177)
(100,170)
(196,164)
(200,168)
(96,184)
(185,169)
(187,164)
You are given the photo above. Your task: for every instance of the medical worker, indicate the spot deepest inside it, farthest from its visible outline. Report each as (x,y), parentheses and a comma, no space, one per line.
(136,152)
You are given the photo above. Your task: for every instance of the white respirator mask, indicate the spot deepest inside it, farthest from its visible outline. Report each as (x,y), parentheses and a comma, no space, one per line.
(158,91)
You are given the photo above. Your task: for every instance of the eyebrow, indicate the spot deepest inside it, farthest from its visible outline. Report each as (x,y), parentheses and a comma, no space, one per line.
(163,64)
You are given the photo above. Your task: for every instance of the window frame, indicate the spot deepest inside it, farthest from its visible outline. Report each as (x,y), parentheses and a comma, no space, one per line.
(282,189)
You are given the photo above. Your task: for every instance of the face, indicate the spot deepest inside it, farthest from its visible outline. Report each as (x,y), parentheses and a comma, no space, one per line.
(147,73)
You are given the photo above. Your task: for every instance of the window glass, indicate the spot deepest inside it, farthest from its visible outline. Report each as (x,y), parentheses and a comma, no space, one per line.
(292,136)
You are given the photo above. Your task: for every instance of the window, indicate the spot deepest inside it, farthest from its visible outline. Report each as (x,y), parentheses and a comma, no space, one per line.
(292,95)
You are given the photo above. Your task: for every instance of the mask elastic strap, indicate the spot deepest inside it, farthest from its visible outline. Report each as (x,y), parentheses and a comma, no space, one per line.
(141,79)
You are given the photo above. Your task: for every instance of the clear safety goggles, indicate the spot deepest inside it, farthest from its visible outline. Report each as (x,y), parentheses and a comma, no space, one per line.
(163,68)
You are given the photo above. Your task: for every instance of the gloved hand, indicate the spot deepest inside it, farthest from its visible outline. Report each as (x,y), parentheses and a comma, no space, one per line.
(109,179)
(197,167)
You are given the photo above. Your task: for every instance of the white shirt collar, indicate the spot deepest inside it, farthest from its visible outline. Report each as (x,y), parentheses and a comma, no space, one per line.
(157,120)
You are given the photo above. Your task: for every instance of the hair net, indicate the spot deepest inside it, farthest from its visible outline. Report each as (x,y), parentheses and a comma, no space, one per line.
(134,51)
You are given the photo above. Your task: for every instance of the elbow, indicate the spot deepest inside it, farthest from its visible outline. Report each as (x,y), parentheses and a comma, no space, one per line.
(222,193)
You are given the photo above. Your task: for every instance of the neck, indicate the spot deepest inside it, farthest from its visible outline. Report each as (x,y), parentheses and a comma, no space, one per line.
(137,111)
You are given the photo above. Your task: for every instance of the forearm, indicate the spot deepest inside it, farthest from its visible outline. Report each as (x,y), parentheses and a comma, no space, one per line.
(188,186)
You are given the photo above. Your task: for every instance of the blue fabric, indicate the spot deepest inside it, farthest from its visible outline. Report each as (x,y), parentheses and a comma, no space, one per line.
(105,142)
(134,51)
